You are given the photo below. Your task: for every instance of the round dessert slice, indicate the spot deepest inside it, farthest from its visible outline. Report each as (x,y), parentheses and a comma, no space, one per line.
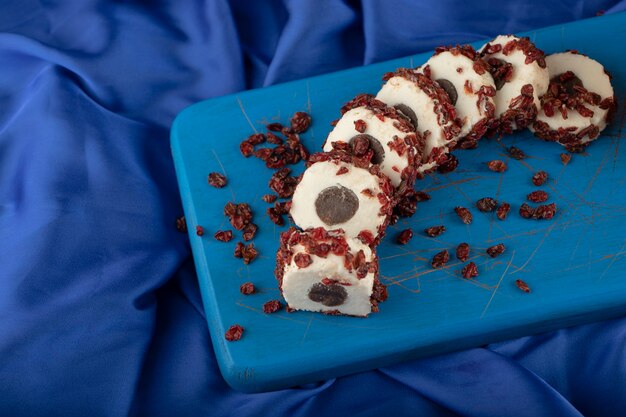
(579,101)
(395,145)
(464,76)
(428,107)
(325,271)
(519,71)
(339,190)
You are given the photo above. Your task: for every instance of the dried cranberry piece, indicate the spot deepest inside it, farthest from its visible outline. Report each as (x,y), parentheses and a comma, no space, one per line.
(486,204)
(217,180)
(275,127)
(516,153)
(302,260)
(275,217)
(526,211)
(224,235)
(273,139)
(449,165)
(539,178)
(565,158)
(300,122)
(269,198)
(503,210)
(435,231)
(469,271)
(462,252)
(239,214)
(246,148)
(497,166)
(199,230)
(234,333)
(247,288)
(404,236)
(360,125)
(440,259)
(464,214)
(422,196)
(495,250)
(282,183)
(181,224)
(256,139)
(272,306)
(538,196)
(249,231)
(239,247)
(249,253)
(522,285)
(545,212)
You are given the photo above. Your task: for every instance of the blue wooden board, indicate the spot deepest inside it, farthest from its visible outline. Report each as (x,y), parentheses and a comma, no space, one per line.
(573,263)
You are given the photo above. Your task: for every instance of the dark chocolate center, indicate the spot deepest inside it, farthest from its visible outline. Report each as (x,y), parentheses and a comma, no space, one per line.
(374,144)
(449,89)
(408,112)
(329,295)
(336,205)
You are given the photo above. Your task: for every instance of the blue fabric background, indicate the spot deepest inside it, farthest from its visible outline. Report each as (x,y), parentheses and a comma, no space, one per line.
(100,312)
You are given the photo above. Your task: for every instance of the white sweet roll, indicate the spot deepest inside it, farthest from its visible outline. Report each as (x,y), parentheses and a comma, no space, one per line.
(464,76)
(579,101)
(521,77)
(324,271)
(430,110)
(338,190)
(391,136)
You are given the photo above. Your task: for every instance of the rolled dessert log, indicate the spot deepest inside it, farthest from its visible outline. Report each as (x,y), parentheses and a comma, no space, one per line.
(429,108)
(579,101)
(339,190)
(395,144)
(462,73)
(326,271)
(520,75)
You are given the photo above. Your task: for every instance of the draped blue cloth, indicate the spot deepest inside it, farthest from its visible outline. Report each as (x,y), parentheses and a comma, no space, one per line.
(100,313)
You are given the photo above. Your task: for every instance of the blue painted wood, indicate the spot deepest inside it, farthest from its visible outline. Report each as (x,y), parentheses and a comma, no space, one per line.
(574,263)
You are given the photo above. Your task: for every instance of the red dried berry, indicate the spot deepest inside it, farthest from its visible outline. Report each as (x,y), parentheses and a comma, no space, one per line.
(275,217)
(300,122)
(239,247)
(522,286)
(516,153)
(450,164)
(249,231)
(217,180)
(256,139)
(272,306)
(274,127)
(540,178)
(181,224)
(247,288)
(470,271)
(360,126)
(545,212)
(495,250)
(497,165)
(404,236)
(503,210)
(538,196)
(462,252)
(223,236)
(440,259)
(435,231)
(239,215)
(249,253)
(565,158)
(246,148)
(282,183)
(342,170)
(199,230)
(486,204)
(464,214)
(273,139)
(269,198)
(526,211)
(234,333)
(422,196)
(302,260)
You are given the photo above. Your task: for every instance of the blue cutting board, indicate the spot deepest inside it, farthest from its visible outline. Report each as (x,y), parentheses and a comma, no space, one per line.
(575,263)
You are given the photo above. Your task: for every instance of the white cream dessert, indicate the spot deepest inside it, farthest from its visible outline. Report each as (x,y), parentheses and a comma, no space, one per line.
(464,76)
(396,147)
(335,193)
(325,271)
(521,77)
(579,101)
(428,107)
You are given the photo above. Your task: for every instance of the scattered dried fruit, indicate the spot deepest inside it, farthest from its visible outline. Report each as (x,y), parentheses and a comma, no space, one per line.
(249,231)
(249,253)
(302,260)
(538,196)
(503,210)
(282,183)
(272,306)
(300,122)
(181,224)
(516,153)
(440,259)
(217,180)
(462,252)
(449,165)
(497,166)
(464,214)
(234,333)
(247,288)
(269,198)
(540,178)
(435,231)
(224,235)
(239,214)
(199,230)
(470,271)
(486,204)
(239,247)
(496,250)
(522,286)
(565,158)
(404,236)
